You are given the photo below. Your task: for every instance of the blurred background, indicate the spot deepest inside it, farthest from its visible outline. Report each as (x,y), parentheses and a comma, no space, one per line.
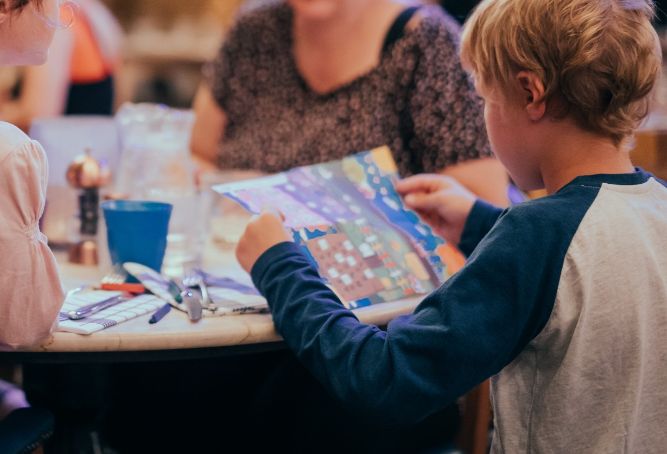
(167,41)
(165,44)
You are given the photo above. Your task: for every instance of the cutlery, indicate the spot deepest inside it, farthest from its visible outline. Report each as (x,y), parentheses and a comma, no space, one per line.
(167,289)
(62,316)
(90,309)
(192,304)
(195,279)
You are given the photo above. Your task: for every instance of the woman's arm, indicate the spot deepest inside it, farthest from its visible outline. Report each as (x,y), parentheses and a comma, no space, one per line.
(45,87)
(486,177)
(209,126)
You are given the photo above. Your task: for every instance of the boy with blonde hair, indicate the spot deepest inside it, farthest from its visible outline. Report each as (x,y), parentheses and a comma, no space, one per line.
(563,300)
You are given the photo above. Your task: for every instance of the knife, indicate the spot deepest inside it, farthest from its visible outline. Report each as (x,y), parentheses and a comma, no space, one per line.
(166,289)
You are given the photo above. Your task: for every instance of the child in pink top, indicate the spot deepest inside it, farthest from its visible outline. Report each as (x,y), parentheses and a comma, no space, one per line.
(31,291)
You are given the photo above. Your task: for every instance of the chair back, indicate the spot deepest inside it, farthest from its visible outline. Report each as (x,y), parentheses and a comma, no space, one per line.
(25,430)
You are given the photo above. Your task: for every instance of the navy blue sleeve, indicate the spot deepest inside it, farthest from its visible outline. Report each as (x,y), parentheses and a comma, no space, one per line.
(463,333)
(481,219)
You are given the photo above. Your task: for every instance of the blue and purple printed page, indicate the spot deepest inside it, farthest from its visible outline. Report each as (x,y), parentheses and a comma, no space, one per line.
(353,225)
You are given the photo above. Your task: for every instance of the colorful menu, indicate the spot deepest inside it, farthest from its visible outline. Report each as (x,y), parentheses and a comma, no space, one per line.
(353,225)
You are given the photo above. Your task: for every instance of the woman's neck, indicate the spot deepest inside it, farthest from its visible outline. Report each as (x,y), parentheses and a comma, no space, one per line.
(327,33)
(334,51)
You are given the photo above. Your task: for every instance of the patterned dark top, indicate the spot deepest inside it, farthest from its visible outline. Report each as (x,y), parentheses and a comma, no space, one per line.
(418,100)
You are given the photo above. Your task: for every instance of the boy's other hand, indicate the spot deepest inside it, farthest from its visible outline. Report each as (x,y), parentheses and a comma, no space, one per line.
(440,201)
(263,232)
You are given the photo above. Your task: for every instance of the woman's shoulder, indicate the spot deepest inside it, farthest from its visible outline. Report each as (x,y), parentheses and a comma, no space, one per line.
(431,21)
(430,36)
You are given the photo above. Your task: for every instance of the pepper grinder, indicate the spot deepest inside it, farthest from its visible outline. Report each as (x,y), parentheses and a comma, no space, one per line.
(88,175)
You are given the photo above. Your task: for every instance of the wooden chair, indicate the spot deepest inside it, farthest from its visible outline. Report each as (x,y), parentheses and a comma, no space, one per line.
(474,433)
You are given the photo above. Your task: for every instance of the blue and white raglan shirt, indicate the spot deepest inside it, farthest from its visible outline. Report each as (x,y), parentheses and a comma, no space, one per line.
(563,301)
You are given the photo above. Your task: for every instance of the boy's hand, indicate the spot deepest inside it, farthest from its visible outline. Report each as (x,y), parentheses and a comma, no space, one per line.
(440,201)
(263,232)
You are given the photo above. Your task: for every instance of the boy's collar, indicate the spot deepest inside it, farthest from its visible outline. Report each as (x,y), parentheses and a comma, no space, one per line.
(639,176)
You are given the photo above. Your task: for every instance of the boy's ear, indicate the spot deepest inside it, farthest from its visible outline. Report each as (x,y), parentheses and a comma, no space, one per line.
(3,16)
(532,91)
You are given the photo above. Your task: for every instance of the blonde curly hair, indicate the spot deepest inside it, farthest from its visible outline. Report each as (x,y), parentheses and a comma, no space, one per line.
(598,59)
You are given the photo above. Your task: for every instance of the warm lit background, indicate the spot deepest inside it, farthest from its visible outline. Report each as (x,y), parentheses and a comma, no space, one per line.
(167,42)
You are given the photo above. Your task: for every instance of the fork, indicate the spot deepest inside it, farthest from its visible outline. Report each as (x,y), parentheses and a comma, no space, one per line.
(116,276)
(115,280)
(195,279)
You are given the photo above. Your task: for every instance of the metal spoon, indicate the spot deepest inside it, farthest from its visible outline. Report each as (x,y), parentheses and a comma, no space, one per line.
(192,305)
(195,279)
(90,309)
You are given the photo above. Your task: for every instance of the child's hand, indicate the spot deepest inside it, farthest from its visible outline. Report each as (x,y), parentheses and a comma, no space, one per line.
(440,201)
(263,232)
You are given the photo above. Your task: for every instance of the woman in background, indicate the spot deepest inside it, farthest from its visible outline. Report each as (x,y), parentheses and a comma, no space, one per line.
(79,75)
(299,82)
(307,81)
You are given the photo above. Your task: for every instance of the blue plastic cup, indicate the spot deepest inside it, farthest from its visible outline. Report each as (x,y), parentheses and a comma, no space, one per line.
(137,231)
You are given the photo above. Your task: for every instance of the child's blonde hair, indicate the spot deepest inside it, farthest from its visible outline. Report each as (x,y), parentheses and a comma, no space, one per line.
(598,59)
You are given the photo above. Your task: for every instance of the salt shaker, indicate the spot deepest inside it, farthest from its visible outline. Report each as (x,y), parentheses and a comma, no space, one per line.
(89,175)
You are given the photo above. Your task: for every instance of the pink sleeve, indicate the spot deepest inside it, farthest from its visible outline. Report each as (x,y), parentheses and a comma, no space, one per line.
(30,291)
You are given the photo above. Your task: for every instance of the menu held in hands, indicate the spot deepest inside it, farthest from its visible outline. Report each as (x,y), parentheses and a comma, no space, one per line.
(353,225)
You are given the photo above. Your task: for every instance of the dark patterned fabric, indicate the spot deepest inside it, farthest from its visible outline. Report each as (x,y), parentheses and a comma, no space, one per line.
(460,9)
(418,100)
